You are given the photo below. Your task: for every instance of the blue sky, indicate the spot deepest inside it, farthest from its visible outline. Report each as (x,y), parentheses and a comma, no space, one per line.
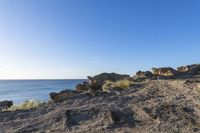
(53,39)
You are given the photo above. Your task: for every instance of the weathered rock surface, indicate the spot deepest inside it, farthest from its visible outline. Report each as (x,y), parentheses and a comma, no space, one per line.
(169,73)
(190,69)
(144,74)
(5,104)
(158,106)
(92,87)
(183,69)
(164,72)
(170,105)
(98,81)
(83,87)
(62,96)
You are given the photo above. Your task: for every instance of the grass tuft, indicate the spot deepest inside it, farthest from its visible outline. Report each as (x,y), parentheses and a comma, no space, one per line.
(123,84)
(29,104)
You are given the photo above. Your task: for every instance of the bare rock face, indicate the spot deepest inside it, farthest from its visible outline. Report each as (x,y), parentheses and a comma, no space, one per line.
(189,70)
(83,87)
(93,86)
(98,81)
(62,96)
(5,104)
(170,73)
(165,72)
(150,106)
(194,69)
(183,69)
(159,106)
(144,74)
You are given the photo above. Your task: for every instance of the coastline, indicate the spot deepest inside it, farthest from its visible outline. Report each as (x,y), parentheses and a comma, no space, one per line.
(163,100)
(21,90)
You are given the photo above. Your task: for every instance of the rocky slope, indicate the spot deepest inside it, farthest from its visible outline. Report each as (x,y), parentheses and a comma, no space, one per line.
(162,101)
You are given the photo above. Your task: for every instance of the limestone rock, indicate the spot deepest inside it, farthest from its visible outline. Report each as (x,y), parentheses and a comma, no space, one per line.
(183,69)
(189,70)
(83,87)
(165,72)
(98,81)
(144,74)
(62,96)
(194,69)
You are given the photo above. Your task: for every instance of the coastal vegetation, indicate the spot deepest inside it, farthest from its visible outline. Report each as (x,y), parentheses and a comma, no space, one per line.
(163,100)
(28,104)
(121,84)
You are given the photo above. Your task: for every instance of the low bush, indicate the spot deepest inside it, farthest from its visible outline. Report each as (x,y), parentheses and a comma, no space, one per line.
(123,84)
(29,104)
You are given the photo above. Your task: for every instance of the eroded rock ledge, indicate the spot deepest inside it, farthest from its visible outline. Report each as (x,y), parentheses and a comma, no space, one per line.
(94,85)
(168,72)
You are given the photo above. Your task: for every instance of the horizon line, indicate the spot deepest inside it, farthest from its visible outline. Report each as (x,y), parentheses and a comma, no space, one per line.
(48,79)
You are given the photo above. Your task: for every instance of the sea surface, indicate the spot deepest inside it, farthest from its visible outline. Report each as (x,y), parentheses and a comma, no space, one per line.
(21,90)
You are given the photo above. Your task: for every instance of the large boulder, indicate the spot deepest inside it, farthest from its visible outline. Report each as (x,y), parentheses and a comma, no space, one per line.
(183,69)
(5,104)
(62,96)
(83,87)
(190,69)
(144,74)
(98,81)
(195,69)
(164,72)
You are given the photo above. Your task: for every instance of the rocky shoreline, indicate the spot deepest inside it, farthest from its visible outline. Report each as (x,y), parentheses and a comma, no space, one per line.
(161,100)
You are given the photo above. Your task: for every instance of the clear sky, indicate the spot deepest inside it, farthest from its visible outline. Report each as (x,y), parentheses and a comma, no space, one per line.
(75,38)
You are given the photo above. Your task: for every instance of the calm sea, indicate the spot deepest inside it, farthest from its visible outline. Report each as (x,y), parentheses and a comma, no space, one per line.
(21,90)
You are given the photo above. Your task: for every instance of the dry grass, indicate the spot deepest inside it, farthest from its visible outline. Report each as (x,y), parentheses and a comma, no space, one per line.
(198,85)
(123,84)
(29,104)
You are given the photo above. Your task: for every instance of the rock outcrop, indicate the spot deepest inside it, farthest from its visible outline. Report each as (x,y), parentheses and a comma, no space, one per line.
(98,81)
(92,87)
(170,73)
(164,72)
(83,86)
(190,69)
(62,96)
(164,106)
(149,106)
(5,104)
(144,74)
(183,69)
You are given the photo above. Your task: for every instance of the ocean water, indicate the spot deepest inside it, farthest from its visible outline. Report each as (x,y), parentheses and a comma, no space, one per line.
(21,90)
